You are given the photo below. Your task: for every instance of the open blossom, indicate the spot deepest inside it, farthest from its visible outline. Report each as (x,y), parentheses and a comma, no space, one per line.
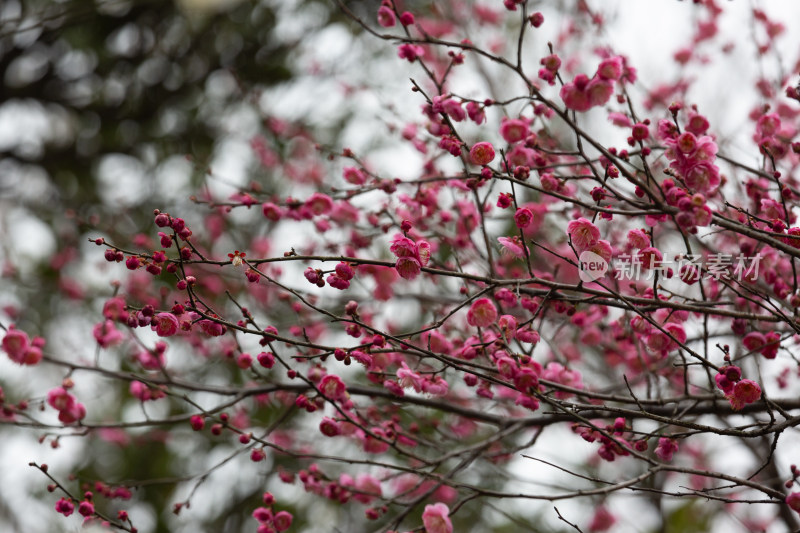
(330,427)
(408,267)
(282,520)
(512,246)
(745,392)
(666,448)
(411,256)
(610,69)
(638,239)
(583,234)
(436,519)
(582,93)
(557,373)
(144,393)
(409,378)
(523,217)
(65,507)
(59,399)
(333,387)
(69,410)
(693,159)
(20,348)
(107,334)
(410,51)
(514,130)
(482,313)
(165,324)
(435,386)
(354,175)
(482,153)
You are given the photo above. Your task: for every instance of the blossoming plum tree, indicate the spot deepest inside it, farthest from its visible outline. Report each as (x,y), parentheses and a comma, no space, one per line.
(406,348)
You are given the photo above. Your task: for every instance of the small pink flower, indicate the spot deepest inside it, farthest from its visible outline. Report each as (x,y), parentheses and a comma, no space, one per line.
(508,325)
(650,257)
(744,392)
(344,271)
(16,343)
(408,267)
(330,427)
(514,130)
(410,52)
(575,98)
(319,203)
(72,414)
(409,378)
(583,234)
(618,119)
(423,252)
(506,367)
(482,153)
(403,246)
(482,313)
(528,335)
(65,507)
(602,520)
(476,113)
(435,386)
(144,393)
(59,399)
(386,17)
(666,448)
(244,361)
(333,387)
(436,519)
(697,123)
(640,131)
(266,359)
(793,501)
(599,91)
(368,486)
(262,514)
(86,508)
(523,217)
(354,175)
(257,455)
(197,422)
(106,334)
(551,63)
(337,282)
(754,341)
(165,324)
(512,246)
(282,520)
(638,239)
(610,69)
(702,177)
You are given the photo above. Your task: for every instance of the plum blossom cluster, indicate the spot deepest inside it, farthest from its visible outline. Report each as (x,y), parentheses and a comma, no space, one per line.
(69,409)
(492,336)
(584,93)
(270,521)
(691,155)
(20,348)
(411,256)
(738,391)
(585,236)
(611,438)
